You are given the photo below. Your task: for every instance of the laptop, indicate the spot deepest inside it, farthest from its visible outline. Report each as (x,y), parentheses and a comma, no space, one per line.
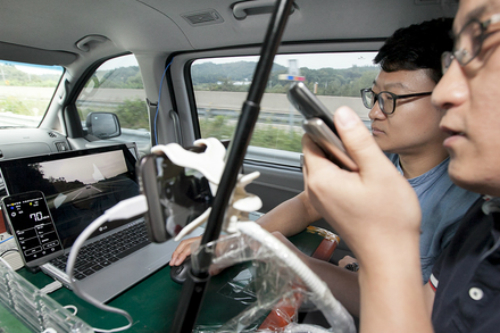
(79,186)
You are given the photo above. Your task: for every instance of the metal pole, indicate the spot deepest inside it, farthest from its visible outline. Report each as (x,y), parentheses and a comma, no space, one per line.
(194,287)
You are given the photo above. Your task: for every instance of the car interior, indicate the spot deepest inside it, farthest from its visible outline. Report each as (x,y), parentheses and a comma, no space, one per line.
(77,75)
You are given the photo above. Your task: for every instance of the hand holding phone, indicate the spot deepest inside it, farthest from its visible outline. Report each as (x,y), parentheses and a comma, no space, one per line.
(319,125)
(329,143)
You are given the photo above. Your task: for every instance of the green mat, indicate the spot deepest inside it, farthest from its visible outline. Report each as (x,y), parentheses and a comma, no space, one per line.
(152,303)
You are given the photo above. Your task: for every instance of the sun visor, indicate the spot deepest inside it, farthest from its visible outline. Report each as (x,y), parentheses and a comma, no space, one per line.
(19,53)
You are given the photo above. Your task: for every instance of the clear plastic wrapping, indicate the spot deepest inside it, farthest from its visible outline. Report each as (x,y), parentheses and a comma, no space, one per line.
(35,309)
(271,287)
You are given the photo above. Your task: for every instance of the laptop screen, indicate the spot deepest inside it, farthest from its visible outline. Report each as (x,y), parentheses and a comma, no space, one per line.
(78,185)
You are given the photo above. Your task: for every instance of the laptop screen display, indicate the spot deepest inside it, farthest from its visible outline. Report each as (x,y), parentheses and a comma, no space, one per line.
(78,185)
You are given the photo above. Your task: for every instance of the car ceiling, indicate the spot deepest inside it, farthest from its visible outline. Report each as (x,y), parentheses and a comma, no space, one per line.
(48,31)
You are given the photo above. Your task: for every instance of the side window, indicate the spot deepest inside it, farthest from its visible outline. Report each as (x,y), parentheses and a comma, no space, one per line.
(221,84)
(25,92)
(116,87)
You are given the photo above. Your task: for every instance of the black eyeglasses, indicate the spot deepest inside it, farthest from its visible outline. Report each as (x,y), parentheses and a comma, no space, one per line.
(468,42)
(386,100)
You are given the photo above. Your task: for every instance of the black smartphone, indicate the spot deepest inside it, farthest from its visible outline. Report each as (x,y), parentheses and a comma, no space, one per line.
(175,195)
(309,105)
(32,226)
(319,125)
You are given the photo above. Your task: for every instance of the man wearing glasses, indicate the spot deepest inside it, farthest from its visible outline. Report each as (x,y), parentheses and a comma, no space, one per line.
(405,125)
(464,290)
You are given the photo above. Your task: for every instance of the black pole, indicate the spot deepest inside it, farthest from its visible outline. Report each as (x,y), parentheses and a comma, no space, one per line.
(194,287)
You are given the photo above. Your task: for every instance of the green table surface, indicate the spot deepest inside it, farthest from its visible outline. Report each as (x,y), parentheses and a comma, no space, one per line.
(152,303)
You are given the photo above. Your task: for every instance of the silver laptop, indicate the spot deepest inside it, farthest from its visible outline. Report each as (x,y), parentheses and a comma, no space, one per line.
(79,186)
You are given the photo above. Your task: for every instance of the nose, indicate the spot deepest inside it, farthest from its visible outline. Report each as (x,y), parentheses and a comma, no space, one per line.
(451,91)
(376,112)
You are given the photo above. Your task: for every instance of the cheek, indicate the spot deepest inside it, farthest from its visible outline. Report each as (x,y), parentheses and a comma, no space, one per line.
(419,124)
(482,125)
(475,162)
(484,97)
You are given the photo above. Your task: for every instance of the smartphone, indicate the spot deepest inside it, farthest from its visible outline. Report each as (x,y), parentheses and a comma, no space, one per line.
(32,226)
(319,125)
(175,195)
(309,105)
(329,143)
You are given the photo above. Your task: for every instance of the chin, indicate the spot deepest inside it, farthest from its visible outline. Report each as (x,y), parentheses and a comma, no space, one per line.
(474,179)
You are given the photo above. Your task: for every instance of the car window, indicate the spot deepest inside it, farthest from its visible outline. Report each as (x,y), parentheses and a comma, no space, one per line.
(116,87)
(221,84)
(25,92)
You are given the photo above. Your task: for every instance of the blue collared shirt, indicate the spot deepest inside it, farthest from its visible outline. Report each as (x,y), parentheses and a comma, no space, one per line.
(443,205)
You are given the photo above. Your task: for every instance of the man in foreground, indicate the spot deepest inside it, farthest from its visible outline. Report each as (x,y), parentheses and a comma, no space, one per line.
(465,277)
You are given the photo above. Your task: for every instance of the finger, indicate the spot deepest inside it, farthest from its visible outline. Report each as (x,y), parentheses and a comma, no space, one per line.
(182,256)
(357,140)
(312,146)
(312,154)
(314,159)
(179,255)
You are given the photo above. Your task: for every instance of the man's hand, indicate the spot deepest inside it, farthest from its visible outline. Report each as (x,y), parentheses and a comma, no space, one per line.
(372,208)
(346,261)
(377,214)
(183,250)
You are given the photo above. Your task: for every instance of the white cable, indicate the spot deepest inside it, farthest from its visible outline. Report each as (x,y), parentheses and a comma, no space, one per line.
(334,312)
(123,210)
(71,307)
(5,262)
(51,287)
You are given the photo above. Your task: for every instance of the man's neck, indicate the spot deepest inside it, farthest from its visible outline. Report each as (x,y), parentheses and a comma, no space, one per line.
(414,165)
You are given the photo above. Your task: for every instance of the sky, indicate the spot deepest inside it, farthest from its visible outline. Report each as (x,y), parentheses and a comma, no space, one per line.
(33,69)
(311,61)
(316,61)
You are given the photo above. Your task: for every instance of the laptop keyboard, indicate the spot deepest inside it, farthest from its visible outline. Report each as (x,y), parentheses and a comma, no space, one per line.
(95,256)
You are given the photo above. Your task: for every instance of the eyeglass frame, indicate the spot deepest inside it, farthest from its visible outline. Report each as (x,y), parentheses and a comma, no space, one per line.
(448,56)
(394,98)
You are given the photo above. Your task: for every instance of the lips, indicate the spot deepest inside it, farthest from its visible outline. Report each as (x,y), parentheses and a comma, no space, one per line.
(376,130)
(454,135)
(452,132)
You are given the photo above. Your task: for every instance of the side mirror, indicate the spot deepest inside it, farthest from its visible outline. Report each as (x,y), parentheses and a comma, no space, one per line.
(104,125)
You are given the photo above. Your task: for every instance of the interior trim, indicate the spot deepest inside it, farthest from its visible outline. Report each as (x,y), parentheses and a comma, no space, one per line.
(20,53)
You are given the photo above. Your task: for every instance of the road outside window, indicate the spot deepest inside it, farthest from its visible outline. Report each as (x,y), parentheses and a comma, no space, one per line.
(221,85)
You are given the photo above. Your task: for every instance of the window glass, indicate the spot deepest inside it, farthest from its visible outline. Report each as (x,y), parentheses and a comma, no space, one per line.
(116,87)
(25,92)
(221,85)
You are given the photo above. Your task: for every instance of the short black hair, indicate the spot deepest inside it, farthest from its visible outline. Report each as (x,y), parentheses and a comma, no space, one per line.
(418,46)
